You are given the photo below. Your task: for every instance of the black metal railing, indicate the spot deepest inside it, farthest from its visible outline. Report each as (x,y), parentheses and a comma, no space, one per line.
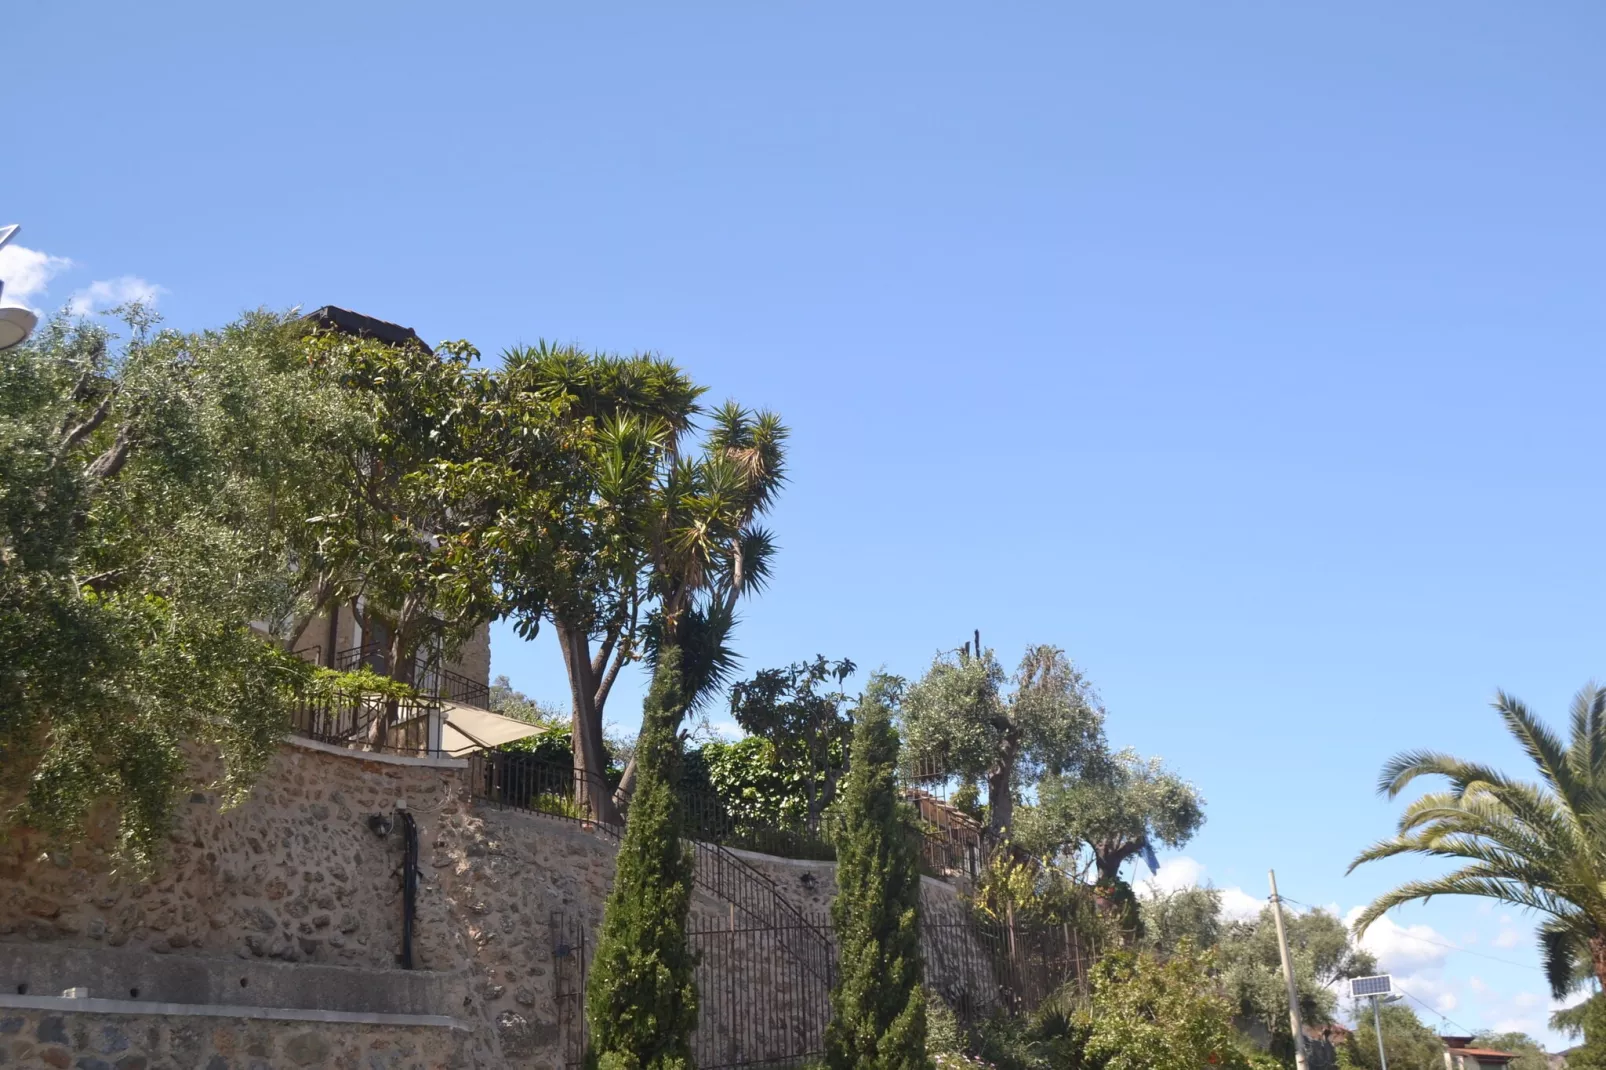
(452,687)
(516,781)
(428,678)
(367,721)
(758,1004)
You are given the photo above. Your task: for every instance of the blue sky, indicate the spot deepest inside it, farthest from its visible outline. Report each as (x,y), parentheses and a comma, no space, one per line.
(1249,352)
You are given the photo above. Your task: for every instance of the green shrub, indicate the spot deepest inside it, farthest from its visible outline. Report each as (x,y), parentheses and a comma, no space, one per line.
(641,999)
(1152,1015)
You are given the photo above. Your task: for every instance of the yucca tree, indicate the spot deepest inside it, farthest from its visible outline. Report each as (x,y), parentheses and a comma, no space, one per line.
(631,515)
(1540,845)
(707,549)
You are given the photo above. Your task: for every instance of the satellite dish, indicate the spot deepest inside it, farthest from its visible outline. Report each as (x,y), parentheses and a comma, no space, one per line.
(16,324)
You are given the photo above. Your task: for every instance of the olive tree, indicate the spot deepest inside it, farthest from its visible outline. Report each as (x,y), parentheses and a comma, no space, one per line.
(152,491)
(967,718)
(1117,806)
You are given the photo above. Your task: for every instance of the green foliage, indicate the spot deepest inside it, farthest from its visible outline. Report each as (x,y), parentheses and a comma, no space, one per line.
(1530,1053)
(1186,914)
(1533,845)
(878,1007)
(1408,1043)
(641,998)
(417,484)
(150,495)
(1011,887)
(807,728)
(753,788)
(1323,953)
(1154,1014)
(943,1033)
(632,514)
(1570,1020)
(957,719)
(1113,808)
(1591,1055)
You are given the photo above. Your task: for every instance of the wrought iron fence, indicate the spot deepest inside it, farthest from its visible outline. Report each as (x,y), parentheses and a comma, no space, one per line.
(429,678)
(758,1005)
(366,721)
(519,782)
(985,967)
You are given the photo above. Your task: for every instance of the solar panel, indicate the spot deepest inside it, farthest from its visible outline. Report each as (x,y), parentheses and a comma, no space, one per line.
(1370,986)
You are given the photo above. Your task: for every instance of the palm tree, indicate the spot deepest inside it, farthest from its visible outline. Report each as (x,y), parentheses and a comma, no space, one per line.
(1541,846)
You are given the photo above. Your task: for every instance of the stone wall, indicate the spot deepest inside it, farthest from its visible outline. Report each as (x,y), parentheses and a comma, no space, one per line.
(295,875)
(294,899)
(51,1040)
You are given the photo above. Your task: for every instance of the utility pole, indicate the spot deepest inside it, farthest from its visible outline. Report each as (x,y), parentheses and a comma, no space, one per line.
(1377,1026)
(1288,976)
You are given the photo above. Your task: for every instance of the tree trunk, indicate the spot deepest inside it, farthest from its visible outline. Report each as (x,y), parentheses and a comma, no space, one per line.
(627,785)
(1000,786)
(590,765)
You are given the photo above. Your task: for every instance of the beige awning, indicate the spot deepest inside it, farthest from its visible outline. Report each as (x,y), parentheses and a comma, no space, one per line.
(465,729)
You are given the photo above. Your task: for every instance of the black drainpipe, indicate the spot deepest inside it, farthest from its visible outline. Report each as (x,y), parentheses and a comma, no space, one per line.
(409,886)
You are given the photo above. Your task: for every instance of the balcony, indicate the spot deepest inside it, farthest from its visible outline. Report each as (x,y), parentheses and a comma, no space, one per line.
(429,679)
(448,716)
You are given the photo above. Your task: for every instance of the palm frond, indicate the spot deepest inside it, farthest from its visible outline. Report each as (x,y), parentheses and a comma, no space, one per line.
(1542,746)
(1586,751)
(1564,953)
(1399,771)
(1469,881)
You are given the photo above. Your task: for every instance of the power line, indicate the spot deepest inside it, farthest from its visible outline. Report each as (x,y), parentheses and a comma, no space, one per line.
(1442,943)
(1433,1010)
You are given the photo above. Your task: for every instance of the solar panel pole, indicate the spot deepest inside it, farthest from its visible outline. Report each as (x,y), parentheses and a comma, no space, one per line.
(1377,1027)
(1288,976)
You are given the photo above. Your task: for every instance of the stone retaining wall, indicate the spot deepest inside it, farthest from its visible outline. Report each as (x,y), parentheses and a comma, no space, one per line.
(294,893)
(50,1040)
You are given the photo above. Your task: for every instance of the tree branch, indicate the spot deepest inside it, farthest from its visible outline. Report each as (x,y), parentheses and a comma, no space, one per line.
(87,428)
(110,463)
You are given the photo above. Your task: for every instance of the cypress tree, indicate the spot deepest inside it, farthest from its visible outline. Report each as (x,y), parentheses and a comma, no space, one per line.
(641,998)
(878,1019)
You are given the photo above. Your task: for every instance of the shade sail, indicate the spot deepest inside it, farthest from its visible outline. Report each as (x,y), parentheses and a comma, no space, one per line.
(465,729)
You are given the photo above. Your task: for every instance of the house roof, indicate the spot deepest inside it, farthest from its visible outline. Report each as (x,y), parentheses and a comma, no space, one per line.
(1462,1046)
(356,324)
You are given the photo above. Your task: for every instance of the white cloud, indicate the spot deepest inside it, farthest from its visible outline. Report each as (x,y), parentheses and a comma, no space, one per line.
(1184,872)
(27,273)
(1508,938)
(1239,905)
(109,293)
(1402,949)
(1176,873)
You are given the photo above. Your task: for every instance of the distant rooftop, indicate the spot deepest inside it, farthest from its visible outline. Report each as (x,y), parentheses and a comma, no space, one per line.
(1461,1046)
(357,325)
